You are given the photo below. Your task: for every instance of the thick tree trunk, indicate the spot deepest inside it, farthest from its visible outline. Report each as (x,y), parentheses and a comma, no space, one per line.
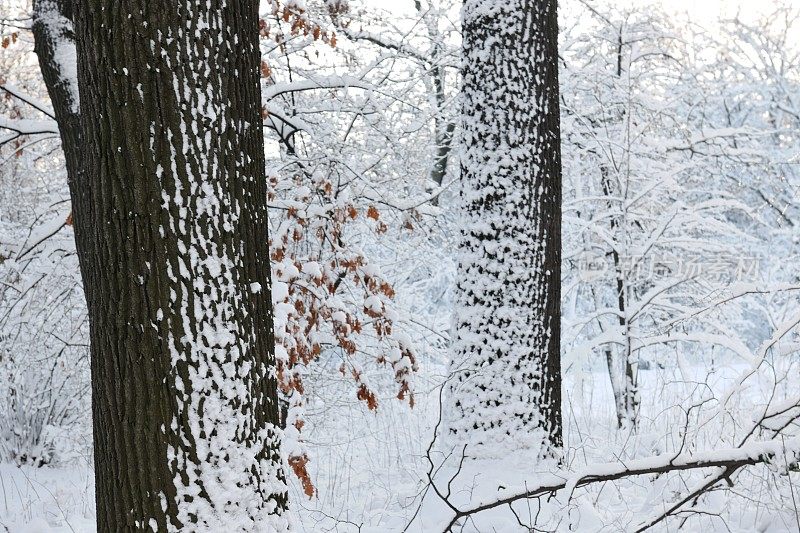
(506,385)
(171,225)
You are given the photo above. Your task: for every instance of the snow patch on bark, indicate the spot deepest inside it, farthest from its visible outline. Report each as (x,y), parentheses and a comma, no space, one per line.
(59,31)
(227,473)
(499,394)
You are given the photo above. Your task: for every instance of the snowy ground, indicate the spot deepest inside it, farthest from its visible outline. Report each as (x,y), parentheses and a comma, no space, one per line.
(43,500)
(370,471)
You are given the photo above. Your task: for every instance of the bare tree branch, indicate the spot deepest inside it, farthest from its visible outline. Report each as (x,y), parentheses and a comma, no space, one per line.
(35,103)
(730,460)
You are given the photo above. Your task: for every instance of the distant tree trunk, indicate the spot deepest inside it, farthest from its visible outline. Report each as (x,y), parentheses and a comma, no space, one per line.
(623,372)
(443,132)
(506,385)
(626,391)
(170,219)
(442,128)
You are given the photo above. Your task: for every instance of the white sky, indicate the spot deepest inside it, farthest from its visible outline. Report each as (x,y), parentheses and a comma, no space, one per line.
(700,10)
(709,10)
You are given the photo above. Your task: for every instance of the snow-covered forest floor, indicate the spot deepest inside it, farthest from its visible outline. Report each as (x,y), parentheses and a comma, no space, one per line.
(370,470)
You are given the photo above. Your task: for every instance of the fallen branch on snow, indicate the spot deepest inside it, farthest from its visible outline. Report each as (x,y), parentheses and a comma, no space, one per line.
(730,460)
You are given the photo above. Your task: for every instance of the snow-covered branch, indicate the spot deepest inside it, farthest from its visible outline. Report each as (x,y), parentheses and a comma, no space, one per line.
(325,82)
(29,127)
(35,103)
(775,451)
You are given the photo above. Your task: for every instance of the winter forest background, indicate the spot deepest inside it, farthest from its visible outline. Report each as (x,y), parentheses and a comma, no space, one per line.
(680,272)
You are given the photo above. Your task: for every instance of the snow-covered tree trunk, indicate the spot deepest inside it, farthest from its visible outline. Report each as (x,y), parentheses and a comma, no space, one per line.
(55,47)
(506,384)
(443,129)
(170,215)
(624,386)
(622,369)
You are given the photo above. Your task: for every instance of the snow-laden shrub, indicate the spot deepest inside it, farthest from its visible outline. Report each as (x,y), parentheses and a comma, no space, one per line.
(44,383)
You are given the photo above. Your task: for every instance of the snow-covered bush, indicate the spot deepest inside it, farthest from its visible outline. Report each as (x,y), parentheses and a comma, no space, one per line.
(44,364)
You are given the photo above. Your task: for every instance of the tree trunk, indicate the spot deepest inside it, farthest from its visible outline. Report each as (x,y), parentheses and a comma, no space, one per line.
(506,384)
(626,389)
(442,129)
(54,44)
(170,214)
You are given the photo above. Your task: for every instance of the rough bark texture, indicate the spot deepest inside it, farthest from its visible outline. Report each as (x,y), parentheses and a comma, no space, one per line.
(54,44)
(506,388)
(171,225)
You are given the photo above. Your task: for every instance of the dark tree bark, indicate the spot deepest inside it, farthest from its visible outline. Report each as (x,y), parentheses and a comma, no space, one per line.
(54,44)
(170,219)
(506,385)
